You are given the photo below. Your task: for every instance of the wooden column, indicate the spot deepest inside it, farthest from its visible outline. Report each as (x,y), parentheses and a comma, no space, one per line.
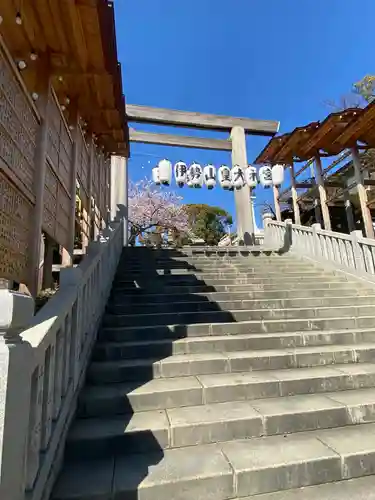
(349,211)
(317,211)
(362,194)
(276,194)
(39,179)
(297,215)
(244,208)
(322,193)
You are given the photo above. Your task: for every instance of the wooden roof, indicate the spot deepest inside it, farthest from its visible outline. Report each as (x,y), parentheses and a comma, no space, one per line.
(361,130)
(76,39)
(336,133)
(295,141)
(326,133)
(272,148)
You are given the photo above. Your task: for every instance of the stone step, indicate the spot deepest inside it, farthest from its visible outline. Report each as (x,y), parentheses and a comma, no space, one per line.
(190,257)
(217,422)
(106,351)
(362,488)
(184,365)
(122,333)
(251,267)
(226,470)
(206,288)
(174,281)
(218,278)
(280,294)
(164,274)
(216,264)
(169,307)
(218,316)
(160,394)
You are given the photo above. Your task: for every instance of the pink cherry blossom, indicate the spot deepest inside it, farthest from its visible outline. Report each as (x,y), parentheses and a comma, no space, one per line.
(151,206)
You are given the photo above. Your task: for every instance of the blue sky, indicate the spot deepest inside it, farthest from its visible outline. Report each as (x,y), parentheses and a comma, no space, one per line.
(268,59)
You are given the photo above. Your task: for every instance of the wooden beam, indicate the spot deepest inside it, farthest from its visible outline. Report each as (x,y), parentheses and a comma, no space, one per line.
(178,140)
(334,184)
(146,114)
(304,185)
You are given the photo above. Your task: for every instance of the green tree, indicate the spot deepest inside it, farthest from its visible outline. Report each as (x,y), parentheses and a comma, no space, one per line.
(207,222)
(366,88)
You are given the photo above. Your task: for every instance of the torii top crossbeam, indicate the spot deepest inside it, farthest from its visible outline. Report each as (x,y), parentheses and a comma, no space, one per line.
(146,114)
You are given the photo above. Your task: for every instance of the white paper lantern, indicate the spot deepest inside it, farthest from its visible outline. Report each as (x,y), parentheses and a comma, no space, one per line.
(196,175)
(277,175)
(189,181)
(224,177)
(265,176)
(155,176)
(251,176)
(209,174)
(238,177)
(180,172)
(165,172)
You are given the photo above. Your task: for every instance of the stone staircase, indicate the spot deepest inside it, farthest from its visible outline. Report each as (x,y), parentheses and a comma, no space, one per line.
(224,377)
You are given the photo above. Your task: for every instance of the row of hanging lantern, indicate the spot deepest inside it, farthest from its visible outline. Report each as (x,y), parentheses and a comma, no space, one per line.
(196,176)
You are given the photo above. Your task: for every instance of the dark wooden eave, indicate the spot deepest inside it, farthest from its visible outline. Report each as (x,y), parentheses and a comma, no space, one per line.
(76,41)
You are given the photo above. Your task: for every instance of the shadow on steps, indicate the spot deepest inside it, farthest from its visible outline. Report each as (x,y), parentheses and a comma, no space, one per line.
(131,454)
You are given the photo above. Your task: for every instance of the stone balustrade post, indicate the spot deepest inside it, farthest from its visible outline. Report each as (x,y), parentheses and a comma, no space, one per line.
(359,259)
(269,238)
(317,251)
(288,238)
(16,362)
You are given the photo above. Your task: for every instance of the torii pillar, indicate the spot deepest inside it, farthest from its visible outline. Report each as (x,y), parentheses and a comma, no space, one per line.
(244,206)
(119,192)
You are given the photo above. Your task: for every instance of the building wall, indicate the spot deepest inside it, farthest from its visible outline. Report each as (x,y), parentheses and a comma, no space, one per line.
(19,132)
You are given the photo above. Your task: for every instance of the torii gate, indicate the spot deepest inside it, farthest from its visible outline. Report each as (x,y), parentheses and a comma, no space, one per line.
(237,127)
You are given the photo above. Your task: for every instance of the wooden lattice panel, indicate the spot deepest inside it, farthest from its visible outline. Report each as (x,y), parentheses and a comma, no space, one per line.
(95,178)
(100,184)
(65,156)
(56,209)
(62,232)
(83,164)
(59,146)
(18,129)
(50,201)
(15,223)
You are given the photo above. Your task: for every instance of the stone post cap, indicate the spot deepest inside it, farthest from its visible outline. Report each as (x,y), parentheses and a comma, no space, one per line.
(267,215)
(16,312)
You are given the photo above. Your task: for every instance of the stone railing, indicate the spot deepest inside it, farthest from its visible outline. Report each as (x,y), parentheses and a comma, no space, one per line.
(351,251)
(43,361)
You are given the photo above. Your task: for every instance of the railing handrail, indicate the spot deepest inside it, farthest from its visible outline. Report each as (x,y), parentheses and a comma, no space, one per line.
(347,251)
(54,350)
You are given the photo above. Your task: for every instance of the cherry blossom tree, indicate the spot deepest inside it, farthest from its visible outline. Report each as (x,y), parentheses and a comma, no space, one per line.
(152,207)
